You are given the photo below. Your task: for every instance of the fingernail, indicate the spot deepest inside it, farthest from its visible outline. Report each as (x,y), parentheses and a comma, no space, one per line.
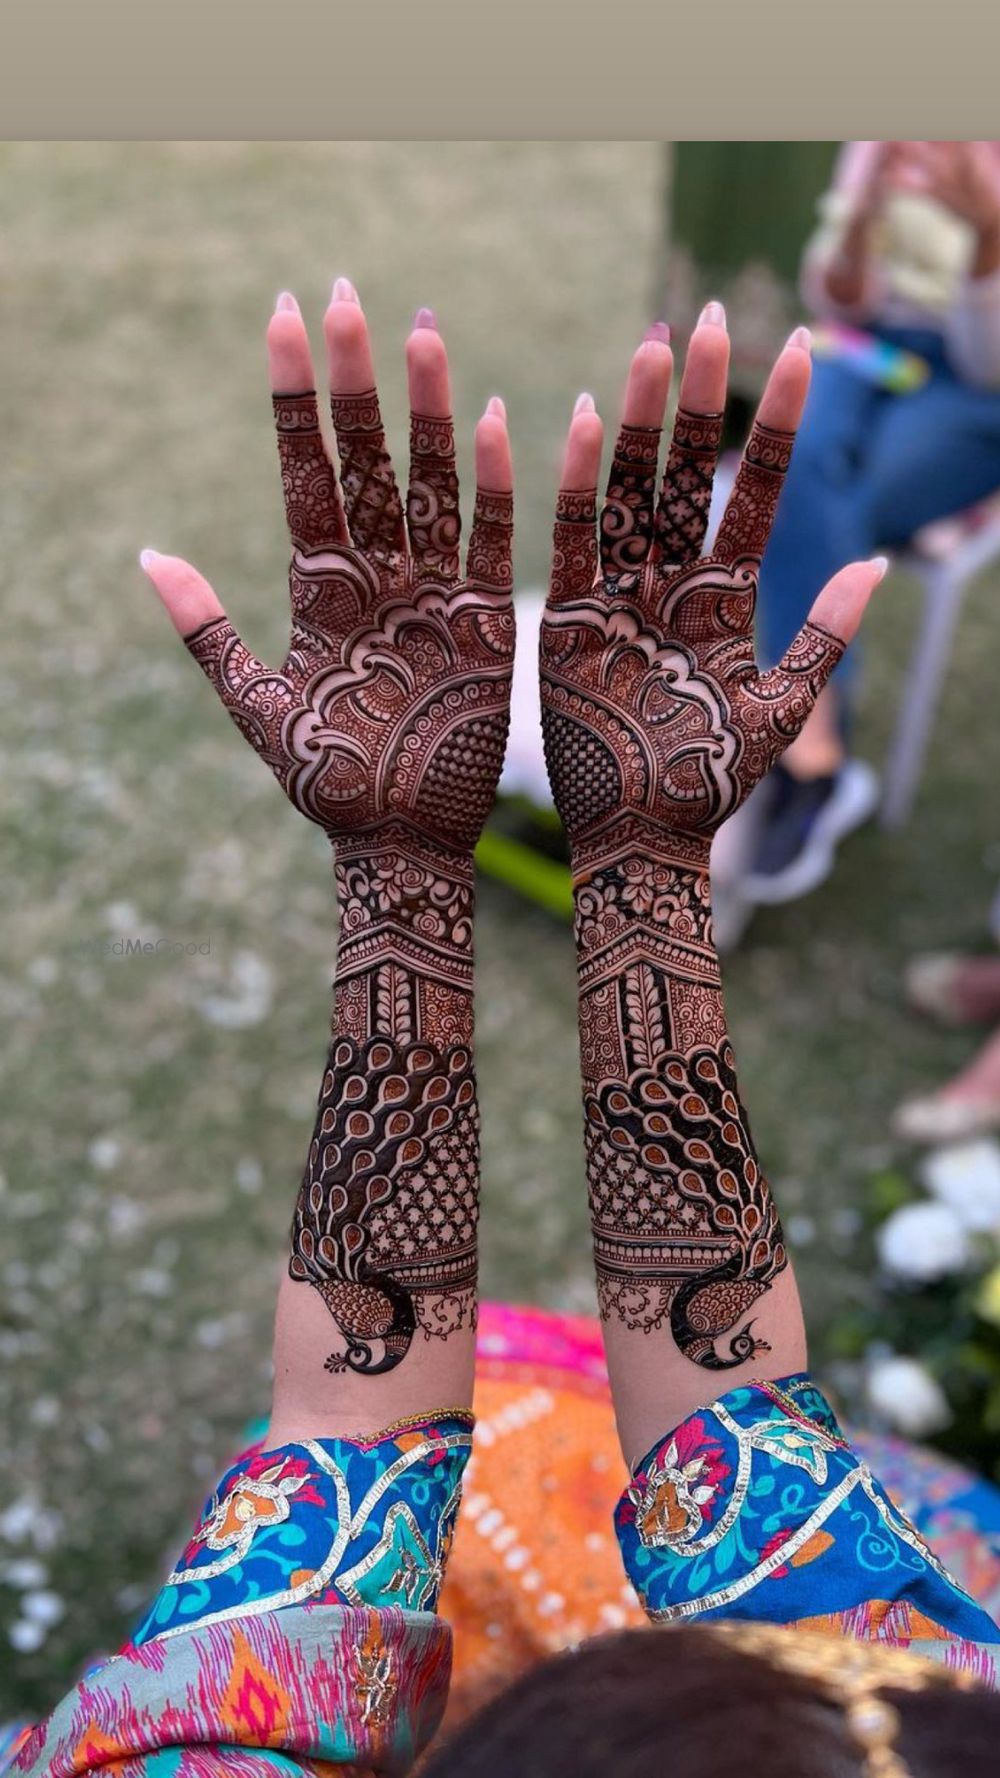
(147,557)
(658,330)
(344,291)
(713,313)
(801,337)
(287,301)
(585,404)
(425,318)
(497,405)
(881,563)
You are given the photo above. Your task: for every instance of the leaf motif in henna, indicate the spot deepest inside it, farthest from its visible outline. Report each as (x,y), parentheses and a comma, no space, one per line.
(644,1015)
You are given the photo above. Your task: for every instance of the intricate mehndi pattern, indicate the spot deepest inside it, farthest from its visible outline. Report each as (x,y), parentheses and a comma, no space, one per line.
(386,725)
(657,725)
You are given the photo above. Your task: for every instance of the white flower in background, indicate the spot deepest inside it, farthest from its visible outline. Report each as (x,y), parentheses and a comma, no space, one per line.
(966,1177)
(905,1394)
(922,1242)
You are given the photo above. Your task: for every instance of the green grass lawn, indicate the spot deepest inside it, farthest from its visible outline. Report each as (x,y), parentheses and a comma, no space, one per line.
(156,1110)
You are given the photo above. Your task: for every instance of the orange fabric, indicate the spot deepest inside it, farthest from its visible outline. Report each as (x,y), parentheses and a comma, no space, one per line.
(545,1454)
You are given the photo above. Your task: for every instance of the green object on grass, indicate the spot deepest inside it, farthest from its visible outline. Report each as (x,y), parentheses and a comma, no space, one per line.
(542,880)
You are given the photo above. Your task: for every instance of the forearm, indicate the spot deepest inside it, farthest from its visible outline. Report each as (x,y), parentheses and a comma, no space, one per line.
(376,1316)
(693,1280)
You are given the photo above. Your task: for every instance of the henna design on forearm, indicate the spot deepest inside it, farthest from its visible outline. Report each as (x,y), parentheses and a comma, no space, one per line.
(684,1226)
(657,725)
(386,725)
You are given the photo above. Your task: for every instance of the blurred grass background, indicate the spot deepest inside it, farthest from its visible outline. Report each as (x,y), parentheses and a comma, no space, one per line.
(155,1111)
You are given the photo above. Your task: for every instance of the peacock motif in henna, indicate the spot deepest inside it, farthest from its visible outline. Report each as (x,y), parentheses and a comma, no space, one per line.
(386,725)
(657,725)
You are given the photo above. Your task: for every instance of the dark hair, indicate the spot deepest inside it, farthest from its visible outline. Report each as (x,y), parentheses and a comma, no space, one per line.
(683,1703)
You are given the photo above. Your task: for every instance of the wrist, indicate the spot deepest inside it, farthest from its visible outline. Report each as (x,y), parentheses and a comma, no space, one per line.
(405,940)
(636,836)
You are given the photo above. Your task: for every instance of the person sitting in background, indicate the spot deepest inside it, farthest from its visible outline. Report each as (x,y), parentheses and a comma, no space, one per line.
(299,1630)
(909,251)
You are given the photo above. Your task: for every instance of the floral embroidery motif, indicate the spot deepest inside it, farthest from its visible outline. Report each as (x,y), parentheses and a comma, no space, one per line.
(329,1521)
(797,1444)
(759,1508)
(258,1497)
(673,1502)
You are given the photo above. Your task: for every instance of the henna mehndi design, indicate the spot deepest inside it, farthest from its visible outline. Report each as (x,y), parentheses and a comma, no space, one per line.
(386,725)
(657,725)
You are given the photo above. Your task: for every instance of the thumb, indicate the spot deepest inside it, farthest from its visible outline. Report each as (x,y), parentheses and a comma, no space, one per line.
(189,600)
(201,622)
(841,605)
(792,687)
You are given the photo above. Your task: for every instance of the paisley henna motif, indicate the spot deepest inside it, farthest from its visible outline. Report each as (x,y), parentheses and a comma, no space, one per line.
(386,725)
(657,725)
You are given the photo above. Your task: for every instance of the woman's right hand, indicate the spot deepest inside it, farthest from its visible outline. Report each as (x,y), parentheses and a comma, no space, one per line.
(391,704)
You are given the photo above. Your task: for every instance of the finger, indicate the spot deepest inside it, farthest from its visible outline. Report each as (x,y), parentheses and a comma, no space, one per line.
(312,499)
(792,687)
(490,561)
(749,515)
(371,498)
(842,604)
(574,540)
(432,513)
(686,494)
(627,516)
(201,622)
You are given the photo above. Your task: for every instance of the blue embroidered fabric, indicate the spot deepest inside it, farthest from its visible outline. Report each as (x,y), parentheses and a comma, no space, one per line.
(759,1508)
(326,1521)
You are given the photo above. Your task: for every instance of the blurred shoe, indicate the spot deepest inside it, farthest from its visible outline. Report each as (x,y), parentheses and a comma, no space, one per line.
(954,990)
(806,821)
(935,1118)
(733,850)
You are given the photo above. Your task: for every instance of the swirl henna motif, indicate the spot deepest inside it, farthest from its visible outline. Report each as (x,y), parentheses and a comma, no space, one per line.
(657,725)
(386,725)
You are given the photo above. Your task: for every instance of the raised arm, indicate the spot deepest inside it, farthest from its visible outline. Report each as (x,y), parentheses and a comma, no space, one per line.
(657,725)
(385,725)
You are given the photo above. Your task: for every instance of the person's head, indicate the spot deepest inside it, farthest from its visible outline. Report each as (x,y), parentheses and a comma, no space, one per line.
(694,1702)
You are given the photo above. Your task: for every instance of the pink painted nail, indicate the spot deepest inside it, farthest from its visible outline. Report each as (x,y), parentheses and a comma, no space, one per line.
(584,404)
(497,405)
(801,337)
(344,291)
(425,318)
(147,557)
(287,301)
(713,314)
(882,564)
(658,331)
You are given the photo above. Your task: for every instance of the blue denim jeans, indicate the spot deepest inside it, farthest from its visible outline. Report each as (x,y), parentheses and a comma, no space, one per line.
(869,469)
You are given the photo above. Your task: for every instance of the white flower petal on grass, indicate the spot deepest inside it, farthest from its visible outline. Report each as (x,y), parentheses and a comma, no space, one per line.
(105,1152)
(966,1177)
(43,1607)
(23,1573)
(26,1636)
(248,1002)
(921,1242)
(903,1392)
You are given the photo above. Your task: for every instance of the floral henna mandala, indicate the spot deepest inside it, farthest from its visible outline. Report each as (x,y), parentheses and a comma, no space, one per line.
(386,725)
(657,725)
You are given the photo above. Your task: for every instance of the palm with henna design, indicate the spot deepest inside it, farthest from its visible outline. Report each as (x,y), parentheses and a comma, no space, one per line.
(386,725)
(657,724)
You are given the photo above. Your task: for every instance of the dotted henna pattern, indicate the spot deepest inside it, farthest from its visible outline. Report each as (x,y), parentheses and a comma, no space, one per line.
(657,725)
(372,1228)
(386,725)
